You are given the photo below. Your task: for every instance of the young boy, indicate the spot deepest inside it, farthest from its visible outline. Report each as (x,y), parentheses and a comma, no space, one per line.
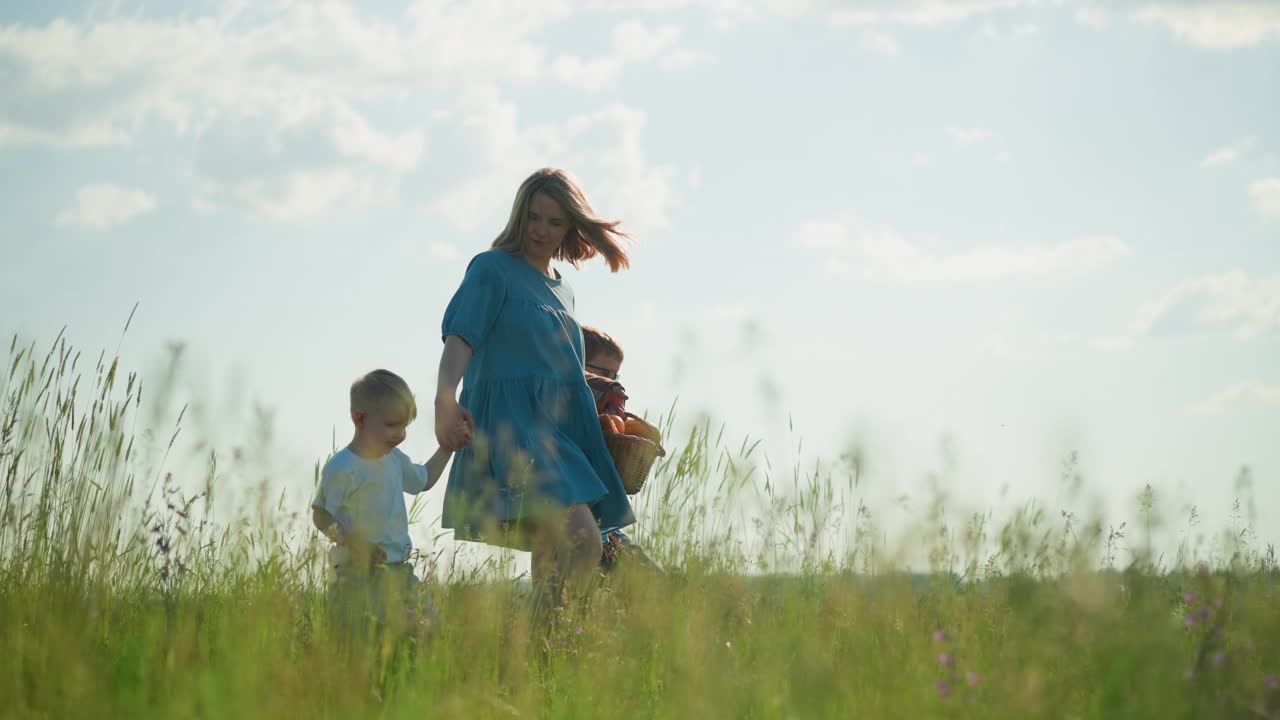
(603,357)
(359,504)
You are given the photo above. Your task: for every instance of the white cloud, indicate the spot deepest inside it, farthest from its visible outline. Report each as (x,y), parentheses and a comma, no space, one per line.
(1092,16)
(632,42)
(1249,392)
(1265,194)
(104,205)
(604,149)
(1228,153)
(354,138)
(695,177)
(99,80)
(881,254)
(591,75)
(274,98)
(969,136)
(727,15)
(879,43)
(915,12)
(295,196)
(317,160)
(1221,24)
(78,137)
(1230,301)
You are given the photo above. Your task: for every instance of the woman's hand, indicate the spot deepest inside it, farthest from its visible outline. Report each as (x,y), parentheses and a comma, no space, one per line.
(454,425)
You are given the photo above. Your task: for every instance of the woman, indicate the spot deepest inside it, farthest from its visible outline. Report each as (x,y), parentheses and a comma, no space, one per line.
(538,475)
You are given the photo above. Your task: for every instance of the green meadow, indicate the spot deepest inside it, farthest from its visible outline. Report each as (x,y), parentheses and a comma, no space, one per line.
(128,592)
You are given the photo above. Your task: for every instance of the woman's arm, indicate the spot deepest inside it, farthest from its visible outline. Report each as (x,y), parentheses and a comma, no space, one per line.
(452,419)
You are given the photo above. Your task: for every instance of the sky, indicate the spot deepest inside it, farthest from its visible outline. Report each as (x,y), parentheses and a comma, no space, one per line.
(965,236)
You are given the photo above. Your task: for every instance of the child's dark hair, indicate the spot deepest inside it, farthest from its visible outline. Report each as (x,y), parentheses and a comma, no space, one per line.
(597,342)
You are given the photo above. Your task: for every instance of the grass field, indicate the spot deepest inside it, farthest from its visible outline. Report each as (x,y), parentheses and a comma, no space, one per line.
(123,594)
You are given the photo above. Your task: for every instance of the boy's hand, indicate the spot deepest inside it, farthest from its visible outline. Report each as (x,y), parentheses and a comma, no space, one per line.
(465,432)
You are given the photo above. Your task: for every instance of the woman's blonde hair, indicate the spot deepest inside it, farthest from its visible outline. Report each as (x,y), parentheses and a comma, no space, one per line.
(589,235)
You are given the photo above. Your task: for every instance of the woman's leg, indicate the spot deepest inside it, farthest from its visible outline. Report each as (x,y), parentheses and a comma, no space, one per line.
(565,543)
(583,552)
(565,550)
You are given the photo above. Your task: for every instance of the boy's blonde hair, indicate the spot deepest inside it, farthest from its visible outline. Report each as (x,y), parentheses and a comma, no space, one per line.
(375,390)
(589,235)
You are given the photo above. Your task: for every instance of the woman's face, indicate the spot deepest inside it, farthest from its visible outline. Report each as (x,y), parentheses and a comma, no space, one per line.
(544,228)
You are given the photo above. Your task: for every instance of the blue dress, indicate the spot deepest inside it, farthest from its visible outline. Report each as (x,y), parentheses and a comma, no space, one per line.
(538,446)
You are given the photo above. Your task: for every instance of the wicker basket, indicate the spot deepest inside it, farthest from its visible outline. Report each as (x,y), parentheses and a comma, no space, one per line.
(633,456)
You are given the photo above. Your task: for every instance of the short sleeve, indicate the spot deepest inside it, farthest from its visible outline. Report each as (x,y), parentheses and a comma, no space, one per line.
(332,492)
(413,477)
(474,308)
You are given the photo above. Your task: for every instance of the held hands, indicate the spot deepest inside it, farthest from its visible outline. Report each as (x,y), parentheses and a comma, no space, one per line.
(454,426)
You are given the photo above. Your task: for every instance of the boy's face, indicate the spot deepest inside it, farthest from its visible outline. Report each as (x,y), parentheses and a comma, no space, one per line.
(605,365)
(382,428)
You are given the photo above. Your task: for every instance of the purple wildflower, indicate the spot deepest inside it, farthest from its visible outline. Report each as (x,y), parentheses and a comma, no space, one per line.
(1219,658)
(1203,613)
(944,690)
(1189,597)
(971,677)
(944,660)
(939,636)
(1189,619)
(579,630)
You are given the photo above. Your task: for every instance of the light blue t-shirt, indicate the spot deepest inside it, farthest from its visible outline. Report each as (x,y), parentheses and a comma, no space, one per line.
(366,496)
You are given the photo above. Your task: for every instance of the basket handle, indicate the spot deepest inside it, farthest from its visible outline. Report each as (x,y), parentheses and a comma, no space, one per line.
(661,451)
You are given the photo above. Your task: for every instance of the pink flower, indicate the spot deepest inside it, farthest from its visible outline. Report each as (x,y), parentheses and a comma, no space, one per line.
(944,660)
(971,678)
(944,690)
(939,636)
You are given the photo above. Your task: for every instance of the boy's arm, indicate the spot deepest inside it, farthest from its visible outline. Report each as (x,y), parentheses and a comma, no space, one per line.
(327,524)
(435,466)
(360,548)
